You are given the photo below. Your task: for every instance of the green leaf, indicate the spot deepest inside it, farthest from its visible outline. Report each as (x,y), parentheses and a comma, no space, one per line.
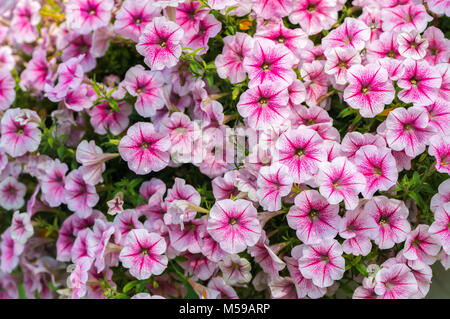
(60,152)
(130,286)
(362,269)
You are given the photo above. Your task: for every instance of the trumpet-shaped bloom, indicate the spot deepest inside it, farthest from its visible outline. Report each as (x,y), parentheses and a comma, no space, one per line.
(53,182)
(339,60)
(21,228)
(235,270)
(160,43)
(314,15)
(19,131)
(438,50)
(293,39)
(405,18)
(353,141)
(420,83)
(440,227)
(395,282)
(80,195)
(378,167)
(352,33)
(12,193)
(144,149)
(301,151)
(208,27)
(273,183)
(7,92)
(356,228)
(104,117)
(340,181)
(234,225)
(412,45)
(390,216)
(408,129)
(270,63)
(313,218)
(143,253)
(442,197)
(85,16)
(322,263)
(422,246)
(439,116)
(440,149)
(369,89)
(264,105)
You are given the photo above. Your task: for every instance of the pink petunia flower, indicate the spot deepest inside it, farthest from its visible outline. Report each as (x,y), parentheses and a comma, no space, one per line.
(21,228)
(12,193)
(80,196)
(234,225)
(270,62)
(405,18)
(353,141)
(7,91)
(273,183)
(420,83)
(37,72)
(19,131)
(104,117)
(263,105)
(316,81)
(300,150)
(189,237)
(439,116)
(160,43)
(229,64)
(411,45)
(395,282)
(314,15)
(422,246)
(369,89)
(132,18)
(25,19)
(85,16)
(378,167)
(438,50)
(440,149)
(293,39)
(217,283)
(208,27)
(442,197)
(390,216)
(356,228)
(439,7)
(143,254)
(235,270)
(189,14)
(10,252)
(339,60)
(53,183)
(66,239)
(147,87)
(270,9)
(340,181)
(199,266)
(440,227)
(352,33)
(313,218)
(144,149)
(322,263)
(266,257)
(408,129)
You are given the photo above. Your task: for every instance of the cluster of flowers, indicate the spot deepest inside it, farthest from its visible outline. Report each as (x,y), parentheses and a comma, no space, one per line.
(340,111)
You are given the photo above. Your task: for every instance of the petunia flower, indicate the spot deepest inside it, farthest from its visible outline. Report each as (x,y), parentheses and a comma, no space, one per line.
(21,228)
(143,254)
(353,141)
(441,197)
(78,278)
(7,92)
(226,291)
(81,247)
(340,181)
(208,27)
(405,18)
(386,46)
(293,39)
(411,45)
(198,266)
(263,105)
(270,63)
(438,50)
(160,43)
(395,282)
(439,116)
(12,193)
(369,89)
(132,18)
(147,87)
(273,183)
(440,149)
(378,167)
(115,205)
(82,46)
(316,82)
(66,239)
(189,237)
(322,263)
(229,64)
(269,9)
(38,71)
(356,228)
(80,195)
(352,33)
(53,183)
(144,149)
(300,150)
(189,14)
(235,270)
(10,252)
(104,117)
(390,216)
(124,223)
(439,7)
(234,225)
(266,257)
(421,245)
(339,60)
(408,129)
(85,16)
(20,136)
(314,15)
(420,83)
(25,18)
(439,228)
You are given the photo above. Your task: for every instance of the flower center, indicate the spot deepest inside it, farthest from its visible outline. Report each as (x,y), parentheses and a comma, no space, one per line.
(144,251)
(342,64)
(311,7)
(137,21)
(265,66)
(232,221)
(313,214)
(365,90)
(392,54)
(11,190)
(408,127)
(377,171)
(383,221)
(325,259)
(144,146)
(310,122)
(445,161)
(434,51)
(163,44)
(300,151)
(281,39)
(414,81)
(413,45)
(263,102)
(180,130)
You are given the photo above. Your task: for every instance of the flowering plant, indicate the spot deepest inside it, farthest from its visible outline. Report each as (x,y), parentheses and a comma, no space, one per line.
(223,148)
